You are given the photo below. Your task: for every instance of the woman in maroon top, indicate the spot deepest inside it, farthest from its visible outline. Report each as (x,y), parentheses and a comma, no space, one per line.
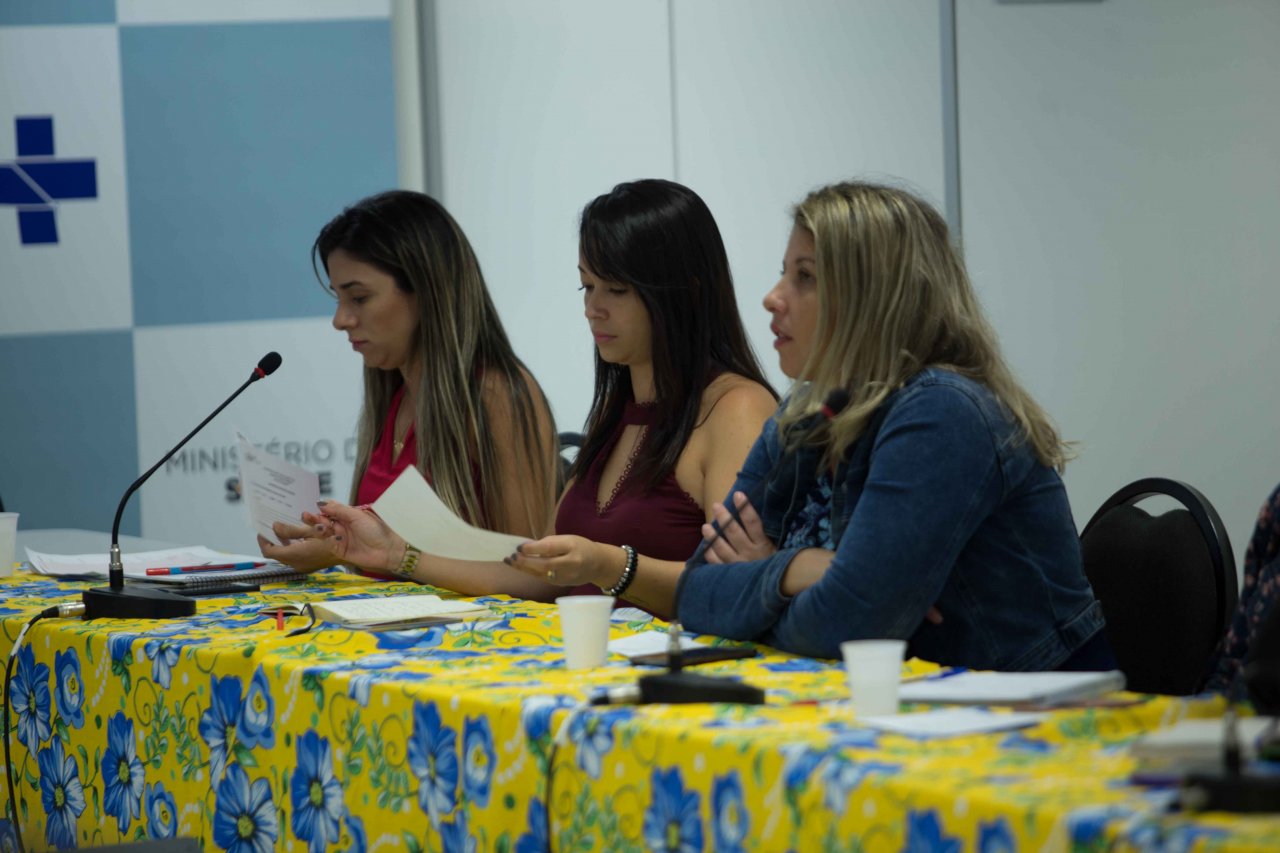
(679,397)
(443,391)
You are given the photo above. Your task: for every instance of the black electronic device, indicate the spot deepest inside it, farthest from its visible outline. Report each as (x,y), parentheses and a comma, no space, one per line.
(696,655)
(119,601)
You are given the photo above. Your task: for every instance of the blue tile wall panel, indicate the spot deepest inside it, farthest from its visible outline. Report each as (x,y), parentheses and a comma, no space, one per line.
(70,446)
(23,12)
(241,141)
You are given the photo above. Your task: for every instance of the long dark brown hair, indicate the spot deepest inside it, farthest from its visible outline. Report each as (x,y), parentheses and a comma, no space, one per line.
(659,237)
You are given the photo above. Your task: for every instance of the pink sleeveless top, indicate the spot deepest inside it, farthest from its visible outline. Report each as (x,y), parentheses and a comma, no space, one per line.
(664,522)
(384,467)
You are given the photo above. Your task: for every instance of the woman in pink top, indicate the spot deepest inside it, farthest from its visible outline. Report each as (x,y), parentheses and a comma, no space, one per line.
(443,391)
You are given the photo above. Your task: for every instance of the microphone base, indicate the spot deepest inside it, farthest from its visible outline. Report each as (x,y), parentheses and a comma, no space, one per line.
(1242,793)
(132,602)
(676,688)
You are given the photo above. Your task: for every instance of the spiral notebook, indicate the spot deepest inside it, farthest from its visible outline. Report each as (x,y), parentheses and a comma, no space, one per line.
(274,573)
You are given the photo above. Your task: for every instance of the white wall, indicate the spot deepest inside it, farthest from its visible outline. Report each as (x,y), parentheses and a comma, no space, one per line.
(1118,184)
(1120,168)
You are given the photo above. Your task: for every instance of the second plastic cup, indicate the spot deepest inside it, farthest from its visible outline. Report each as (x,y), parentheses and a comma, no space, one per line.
(8,542)
(584,624)
(874,668)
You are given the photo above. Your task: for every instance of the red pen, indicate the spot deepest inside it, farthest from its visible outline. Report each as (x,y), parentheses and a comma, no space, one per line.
(214,567)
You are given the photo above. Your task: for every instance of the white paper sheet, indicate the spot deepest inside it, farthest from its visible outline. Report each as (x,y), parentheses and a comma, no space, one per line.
(412,509)
(950,722)
(273,489)
(135,565)
(648,643)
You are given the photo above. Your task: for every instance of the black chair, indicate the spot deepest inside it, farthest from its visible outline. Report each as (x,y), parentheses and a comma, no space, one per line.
(569,444)
(1167,584)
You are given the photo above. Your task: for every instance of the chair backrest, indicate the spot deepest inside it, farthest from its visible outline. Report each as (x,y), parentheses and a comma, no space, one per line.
(1167,584)
(569,441)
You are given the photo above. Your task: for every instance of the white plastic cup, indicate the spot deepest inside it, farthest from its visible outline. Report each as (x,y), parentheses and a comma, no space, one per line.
(874,669)
(8,542)
(584,624)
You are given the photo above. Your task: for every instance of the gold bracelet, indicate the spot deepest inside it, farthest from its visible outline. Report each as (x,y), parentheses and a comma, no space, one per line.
(409,562)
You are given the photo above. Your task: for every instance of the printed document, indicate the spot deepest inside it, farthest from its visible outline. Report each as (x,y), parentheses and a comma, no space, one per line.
(273,489)
(412,509)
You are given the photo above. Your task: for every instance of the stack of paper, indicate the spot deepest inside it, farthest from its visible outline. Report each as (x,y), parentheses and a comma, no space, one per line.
(1012,688)
(397,611)
(1196,744)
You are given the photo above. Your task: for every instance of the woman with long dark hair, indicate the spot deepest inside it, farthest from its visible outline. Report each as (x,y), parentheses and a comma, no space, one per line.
(679,397)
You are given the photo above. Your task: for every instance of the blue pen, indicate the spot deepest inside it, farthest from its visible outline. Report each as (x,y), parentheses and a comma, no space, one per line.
(940,674)
(216,567)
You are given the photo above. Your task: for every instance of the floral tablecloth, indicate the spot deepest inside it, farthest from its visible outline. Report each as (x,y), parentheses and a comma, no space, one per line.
(473,737)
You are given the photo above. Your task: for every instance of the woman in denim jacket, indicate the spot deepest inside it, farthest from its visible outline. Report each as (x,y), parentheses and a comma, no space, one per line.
(930,507)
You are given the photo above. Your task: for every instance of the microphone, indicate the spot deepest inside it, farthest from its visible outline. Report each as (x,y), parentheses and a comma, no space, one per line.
(117,602)
(675,687)
(835,403)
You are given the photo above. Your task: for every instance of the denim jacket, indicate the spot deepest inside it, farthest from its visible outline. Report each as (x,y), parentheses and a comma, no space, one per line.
(939,502)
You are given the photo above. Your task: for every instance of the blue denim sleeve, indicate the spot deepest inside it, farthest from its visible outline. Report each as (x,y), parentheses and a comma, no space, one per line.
(934,477)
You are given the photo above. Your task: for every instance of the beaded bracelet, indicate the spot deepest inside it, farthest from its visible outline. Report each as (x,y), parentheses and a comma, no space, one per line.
(408,562)
(628,573)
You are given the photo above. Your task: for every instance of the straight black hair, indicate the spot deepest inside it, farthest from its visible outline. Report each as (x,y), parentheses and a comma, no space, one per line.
(659,237)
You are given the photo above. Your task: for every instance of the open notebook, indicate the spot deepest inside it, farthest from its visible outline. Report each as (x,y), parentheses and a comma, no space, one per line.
(391,611)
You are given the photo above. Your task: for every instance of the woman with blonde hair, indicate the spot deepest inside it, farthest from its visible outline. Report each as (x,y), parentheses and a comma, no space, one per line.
(935,486)
(443,391)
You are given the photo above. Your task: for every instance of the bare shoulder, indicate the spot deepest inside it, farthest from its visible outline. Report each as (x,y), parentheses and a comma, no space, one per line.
(733,402)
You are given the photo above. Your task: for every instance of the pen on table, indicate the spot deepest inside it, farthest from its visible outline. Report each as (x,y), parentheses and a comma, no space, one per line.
(934,676)
(215,567)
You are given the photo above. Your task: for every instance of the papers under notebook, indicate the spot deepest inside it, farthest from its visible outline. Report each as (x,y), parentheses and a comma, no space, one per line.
(951,722)
(1012,688)
(412,509)
(390,611)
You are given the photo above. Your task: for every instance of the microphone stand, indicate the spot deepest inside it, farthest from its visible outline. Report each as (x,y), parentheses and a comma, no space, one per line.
(117,601)
(675,687)
(1233,789)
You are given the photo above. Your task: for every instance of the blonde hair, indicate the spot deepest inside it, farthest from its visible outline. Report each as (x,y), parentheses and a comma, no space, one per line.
(894,299)
(461,347)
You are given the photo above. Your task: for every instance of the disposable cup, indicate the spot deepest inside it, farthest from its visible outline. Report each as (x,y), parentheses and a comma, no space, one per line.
(874,669)
(8,542)
(584,624)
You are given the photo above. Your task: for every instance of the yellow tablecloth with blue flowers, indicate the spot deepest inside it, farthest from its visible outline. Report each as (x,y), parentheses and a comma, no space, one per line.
(473,737)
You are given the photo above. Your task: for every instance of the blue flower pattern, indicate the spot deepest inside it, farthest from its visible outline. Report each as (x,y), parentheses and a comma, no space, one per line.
(69,689)
(924,834)
(671,823)
(315,793)
(218,723)
(258,713)
(534,839)
(122,775)
(244,817)
(161,810)
(994,837)
(61,795)
(433,758)
(478,759)
(593,735)
(732,822)
(163,654)
(30,700)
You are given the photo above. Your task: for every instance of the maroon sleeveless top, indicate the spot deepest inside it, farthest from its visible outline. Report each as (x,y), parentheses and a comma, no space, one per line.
(664,522)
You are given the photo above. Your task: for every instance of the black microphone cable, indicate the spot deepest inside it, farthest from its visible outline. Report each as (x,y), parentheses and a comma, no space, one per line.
(73,608)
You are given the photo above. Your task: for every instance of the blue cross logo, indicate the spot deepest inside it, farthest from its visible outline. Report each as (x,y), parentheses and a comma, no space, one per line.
(36,181)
